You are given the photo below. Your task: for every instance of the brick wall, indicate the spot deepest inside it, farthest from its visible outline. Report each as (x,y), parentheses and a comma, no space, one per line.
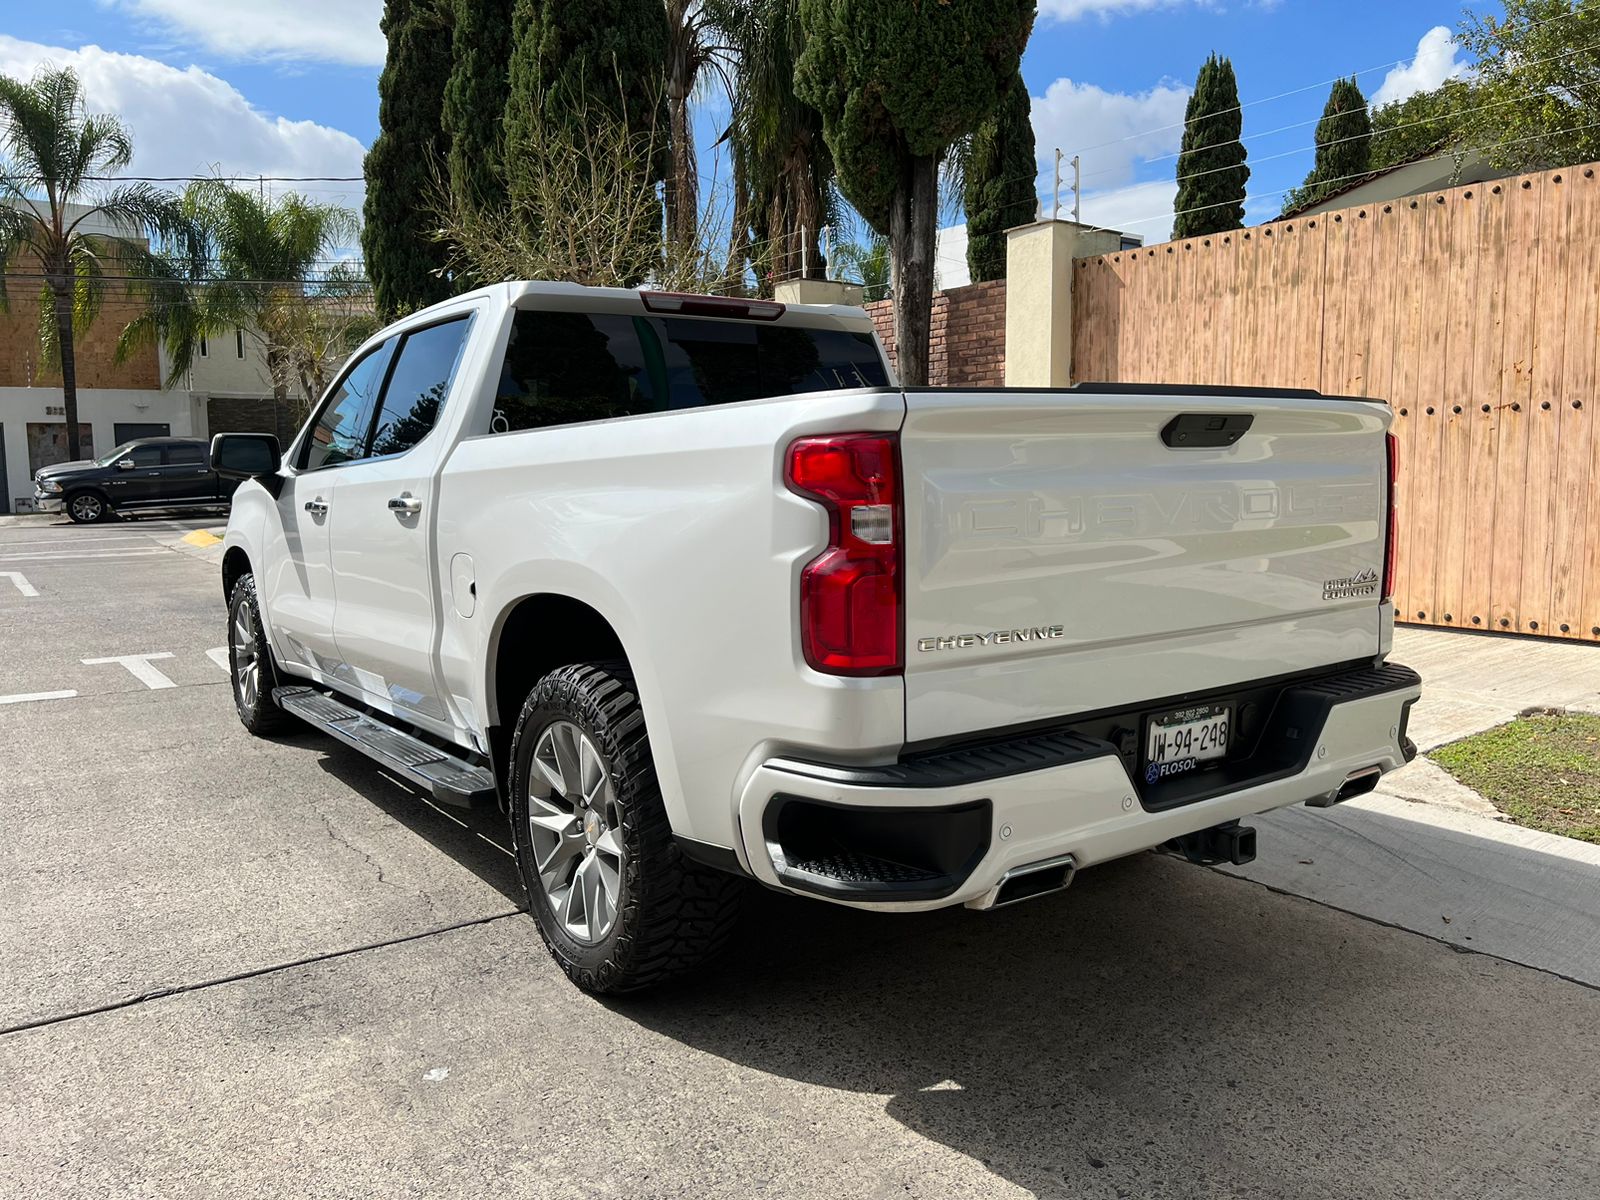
(227,414)
(95,350)
(968,342)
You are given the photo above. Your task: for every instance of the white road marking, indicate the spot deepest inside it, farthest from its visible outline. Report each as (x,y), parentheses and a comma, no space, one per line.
(25,697)
(57,555)
(139,667)
(21,580)
(219,655)
(78,541)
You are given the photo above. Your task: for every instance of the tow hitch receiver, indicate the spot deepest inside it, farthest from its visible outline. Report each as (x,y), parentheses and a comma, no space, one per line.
(1230,843)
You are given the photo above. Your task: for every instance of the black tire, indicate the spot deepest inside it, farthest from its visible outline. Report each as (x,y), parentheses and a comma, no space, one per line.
(247,641)
(87,507)
(669,913)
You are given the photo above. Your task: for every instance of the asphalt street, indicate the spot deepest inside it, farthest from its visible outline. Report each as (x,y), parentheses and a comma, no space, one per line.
(235,967)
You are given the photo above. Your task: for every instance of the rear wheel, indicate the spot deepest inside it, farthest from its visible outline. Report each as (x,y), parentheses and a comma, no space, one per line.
(618,905)
(250,663)
(87,507)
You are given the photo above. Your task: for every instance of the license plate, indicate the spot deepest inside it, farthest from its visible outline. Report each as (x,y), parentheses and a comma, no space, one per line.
(1181,741)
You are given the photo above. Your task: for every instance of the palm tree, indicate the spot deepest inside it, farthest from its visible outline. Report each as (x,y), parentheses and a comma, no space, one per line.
(783,171)
(264,275)
(56,219)
(869,264)
(692,47)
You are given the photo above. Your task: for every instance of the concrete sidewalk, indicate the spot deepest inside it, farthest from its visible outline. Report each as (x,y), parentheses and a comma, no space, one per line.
(1425,853)
(1474,681)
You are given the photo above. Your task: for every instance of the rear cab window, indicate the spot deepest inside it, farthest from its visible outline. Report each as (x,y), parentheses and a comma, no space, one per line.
(565,367)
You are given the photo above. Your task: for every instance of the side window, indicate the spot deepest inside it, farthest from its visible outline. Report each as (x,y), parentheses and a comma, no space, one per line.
(145,456)
(565,367)
(180,455)
(340,434)
(419,386)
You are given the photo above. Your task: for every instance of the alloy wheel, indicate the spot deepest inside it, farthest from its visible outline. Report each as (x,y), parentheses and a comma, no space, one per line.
(246,662)
(573,827)
(86,507)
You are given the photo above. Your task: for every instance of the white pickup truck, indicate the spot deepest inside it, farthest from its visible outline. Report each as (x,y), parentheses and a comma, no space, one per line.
(698,595)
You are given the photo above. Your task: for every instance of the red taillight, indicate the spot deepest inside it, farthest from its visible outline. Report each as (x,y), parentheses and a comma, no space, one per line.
(1391,526)
(850,607)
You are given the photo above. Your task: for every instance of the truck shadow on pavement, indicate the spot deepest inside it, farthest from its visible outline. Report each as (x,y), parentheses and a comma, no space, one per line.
(1163,1030)
(477,839)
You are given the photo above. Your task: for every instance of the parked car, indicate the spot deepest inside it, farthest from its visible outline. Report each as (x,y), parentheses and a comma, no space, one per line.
(702,597)
(147,473)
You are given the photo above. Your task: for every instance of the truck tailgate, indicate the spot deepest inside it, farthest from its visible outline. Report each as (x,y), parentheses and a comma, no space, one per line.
(1062,557)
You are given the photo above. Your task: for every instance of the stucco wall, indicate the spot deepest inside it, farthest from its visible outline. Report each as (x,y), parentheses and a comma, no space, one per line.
(99,408)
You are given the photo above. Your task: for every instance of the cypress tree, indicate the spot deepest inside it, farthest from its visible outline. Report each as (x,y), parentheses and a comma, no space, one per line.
(1344,146)
(1211,168)
(1000,191)
(897,85)
(577,62)
(571,56)
(403,261)
(475,99)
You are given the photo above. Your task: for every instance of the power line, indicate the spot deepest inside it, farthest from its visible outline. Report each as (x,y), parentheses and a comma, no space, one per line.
(1520,98)
(1356,137)
(1294,92)
(1365,174)
(1368,107)
(226,178)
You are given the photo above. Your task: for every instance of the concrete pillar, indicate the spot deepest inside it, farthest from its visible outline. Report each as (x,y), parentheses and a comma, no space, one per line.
(1039,298)
(817,291)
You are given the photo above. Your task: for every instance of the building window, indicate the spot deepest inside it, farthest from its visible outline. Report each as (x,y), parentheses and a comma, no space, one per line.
(238,341)
(205,350)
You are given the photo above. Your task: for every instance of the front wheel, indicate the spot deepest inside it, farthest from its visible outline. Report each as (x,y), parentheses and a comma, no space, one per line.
(87,507)
(618,905)
(250,663)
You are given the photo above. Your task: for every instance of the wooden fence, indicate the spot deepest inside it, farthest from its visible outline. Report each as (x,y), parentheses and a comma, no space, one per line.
(1472,311)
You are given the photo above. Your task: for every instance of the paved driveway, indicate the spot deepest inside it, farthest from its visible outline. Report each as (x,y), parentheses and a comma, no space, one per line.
(239,967)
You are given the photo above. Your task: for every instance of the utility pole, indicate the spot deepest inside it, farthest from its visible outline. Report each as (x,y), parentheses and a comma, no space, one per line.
(1055,209)
(1077,185)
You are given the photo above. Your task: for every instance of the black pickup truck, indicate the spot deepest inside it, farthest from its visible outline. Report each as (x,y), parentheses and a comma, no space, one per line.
(150,473)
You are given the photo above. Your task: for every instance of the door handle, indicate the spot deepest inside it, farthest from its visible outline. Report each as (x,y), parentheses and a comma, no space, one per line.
(317,507)
(405,504)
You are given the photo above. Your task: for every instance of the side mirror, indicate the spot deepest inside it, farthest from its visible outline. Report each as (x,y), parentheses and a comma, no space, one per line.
(245,455)
(124,464)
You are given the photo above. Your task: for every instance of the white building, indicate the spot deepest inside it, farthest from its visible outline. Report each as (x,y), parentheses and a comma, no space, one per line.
(117,401)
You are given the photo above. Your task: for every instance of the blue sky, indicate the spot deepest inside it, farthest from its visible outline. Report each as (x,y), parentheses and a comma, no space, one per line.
(288,87)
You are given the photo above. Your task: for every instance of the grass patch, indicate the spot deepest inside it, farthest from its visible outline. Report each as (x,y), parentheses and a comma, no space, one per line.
(1542,771)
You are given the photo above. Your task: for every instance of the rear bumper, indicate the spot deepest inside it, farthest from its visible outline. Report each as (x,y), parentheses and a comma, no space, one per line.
(943,829)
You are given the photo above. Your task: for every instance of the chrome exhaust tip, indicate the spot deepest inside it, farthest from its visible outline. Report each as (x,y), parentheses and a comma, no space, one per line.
(1025,882)
(1357,783)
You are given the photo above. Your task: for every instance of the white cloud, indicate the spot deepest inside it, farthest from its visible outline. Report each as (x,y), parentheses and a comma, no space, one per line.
(1435,62)
(1142,209)
(1110,131)
(342,31)
(190,122)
